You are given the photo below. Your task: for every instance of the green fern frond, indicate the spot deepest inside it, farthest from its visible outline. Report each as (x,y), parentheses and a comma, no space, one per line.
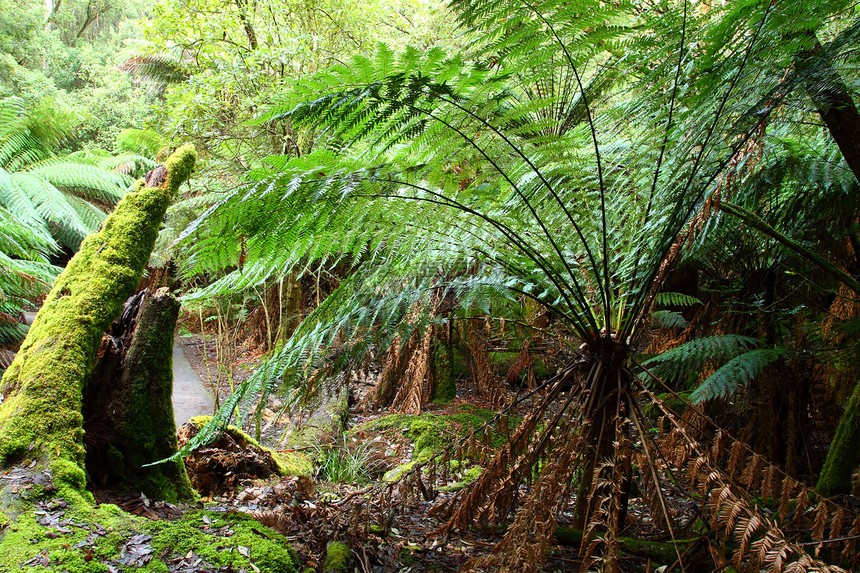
(738,371)
(676,299)
(669,319)
(694,355)
(159,69)
(143,142)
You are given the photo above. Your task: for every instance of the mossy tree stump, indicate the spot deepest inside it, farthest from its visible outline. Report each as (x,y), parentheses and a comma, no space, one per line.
(41,419)
(127,407)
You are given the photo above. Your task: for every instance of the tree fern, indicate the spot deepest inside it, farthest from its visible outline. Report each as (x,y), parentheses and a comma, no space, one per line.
(39,186)
(435,166)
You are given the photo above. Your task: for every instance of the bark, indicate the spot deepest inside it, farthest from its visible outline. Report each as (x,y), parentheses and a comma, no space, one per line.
(128,413)
(41,419)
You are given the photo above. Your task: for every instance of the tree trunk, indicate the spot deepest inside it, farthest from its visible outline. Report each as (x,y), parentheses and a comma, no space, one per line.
(844,454)
(128,413)
(833,102)
(41,417)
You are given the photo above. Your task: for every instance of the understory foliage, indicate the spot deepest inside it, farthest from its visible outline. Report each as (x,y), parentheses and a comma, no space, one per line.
(574,161)
(48,204)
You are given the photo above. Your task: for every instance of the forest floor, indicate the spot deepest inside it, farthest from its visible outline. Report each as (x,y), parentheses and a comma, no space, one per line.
(360,502)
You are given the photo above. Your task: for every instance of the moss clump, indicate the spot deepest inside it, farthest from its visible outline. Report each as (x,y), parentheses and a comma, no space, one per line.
(431,432)
(94,538)
(337,558)
(468,475)
(658,551)
(231,540)
(70,481)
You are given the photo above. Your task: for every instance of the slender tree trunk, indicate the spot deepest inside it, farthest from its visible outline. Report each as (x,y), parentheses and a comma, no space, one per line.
(833,102)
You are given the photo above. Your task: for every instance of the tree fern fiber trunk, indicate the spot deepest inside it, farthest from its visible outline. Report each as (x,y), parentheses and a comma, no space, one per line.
(833,103)
(607,407)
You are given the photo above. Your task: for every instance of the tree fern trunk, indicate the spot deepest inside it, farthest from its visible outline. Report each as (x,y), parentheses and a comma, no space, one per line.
(833,103)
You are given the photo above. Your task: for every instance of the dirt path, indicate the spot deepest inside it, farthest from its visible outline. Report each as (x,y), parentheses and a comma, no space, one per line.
(190,397)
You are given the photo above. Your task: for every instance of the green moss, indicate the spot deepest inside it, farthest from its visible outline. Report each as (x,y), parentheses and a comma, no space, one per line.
(25,539)
(444,382)
(70,481)
(232,540)
(289,463)
(141,411)
(221,540)
(658,551)
(430,432)
(469,475)
(337,558)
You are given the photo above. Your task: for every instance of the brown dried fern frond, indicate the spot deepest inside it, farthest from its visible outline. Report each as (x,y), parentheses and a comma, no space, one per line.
(415,390)
(525,545)
(393,368)
(482,368)
(730,511)
(474,500)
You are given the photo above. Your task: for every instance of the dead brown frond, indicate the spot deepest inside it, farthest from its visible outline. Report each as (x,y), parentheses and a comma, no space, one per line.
(397,360)
(528,539)
(415,389)
(731,510)
(497,482)
(482,369)
(524,361)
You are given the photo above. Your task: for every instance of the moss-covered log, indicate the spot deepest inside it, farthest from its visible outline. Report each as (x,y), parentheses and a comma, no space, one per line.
(338,558)
(128,413)
(844,454)
(40,417)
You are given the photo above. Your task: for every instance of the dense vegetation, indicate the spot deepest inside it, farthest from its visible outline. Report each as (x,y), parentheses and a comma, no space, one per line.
(632,227)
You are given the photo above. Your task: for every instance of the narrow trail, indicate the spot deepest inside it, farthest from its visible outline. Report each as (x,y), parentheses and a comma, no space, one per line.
(190,397)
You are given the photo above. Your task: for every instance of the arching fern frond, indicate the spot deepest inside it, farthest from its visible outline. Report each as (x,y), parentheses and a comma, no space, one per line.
(694,355)
(676,299)
(738,371)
